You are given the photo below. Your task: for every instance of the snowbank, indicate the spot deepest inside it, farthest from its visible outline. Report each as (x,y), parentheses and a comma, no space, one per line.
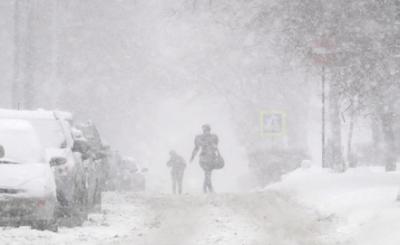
(362,201)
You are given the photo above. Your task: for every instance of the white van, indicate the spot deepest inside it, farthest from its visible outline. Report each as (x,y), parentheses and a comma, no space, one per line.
(54,132)
(27,183)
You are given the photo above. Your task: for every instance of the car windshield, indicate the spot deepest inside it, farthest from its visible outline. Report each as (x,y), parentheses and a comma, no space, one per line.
(50,132)
(20,141)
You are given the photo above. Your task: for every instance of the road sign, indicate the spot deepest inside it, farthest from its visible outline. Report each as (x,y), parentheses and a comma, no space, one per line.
(273,123)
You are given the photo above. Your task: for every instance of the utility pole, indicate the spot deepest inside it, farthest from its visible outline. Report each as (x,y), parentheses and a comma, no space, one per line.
(323,55)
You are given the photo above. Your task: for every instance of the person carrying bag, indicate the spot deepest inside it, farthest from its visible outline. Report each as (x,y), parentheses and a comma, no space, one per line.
(210,158)
(218,162)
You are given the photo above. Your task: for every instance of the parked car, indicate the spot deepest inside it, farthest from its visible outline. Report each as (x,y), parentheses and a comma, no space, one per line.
(55,136)
(93,161)
(114,160)
(130,177)
(27,183)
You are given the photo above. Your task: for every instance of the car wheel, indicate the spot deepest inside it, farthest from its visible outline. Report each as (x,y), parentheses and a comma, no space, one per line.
(74,214)
(43,225)
(79,210)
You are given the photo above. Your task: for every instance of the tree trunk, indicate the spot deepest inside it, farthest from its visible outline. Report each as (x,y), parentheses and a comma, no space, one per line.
(323,118)
(377,138)
(387,120)
(350,157)
(335,159)
(22,88)
(194,4)
(55,50)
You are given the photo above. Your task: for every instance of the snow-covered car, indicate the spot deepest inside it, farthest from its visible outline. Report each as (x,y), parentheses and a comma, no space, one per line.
(96,163)
(130,176)
(55,136)
(114,159)
(27,183)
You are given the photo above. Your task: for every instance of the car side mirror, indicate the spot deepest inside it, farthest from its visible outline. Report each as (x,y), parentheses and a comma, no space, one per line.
(100,155)
(57,161)
(2,152)
(63,145)
(80,146)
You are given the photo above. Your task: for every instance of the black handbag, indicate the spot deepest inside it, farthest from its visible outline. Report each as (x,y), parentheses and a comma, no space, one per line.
(219,161)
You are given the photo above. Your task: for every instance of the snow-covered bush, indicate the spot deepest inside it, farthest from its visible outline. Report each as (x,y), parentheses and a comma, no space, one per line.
(269,165)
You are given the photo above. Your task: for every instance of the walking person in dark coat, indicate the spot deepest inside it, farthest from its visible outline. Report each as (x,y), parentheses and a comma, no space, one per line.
(208,144)
(177,165)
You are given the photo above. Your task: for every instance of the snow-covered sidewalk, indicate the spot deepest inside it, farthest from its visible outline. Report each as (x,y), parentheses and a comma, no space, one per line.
(362,202)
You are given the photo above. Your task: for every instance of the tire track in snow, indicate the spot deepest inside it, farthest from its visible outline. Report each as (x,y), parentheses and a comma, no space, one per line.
(267,218)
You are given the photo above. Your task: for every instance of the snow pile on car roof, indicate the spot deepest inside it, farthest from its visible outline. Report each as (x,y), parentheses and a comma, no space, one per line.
(20,141)
(15,124)
(38,114)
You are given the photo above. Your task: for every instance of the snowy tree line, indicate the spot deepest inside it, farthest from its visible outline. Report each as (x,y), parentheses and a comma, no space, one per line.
(360,42)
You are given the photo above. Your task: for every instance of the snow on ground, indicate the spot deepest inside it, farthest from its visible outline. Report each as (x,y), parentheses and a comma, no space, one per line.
(309,207)
(266,218)
(231,219)
(361,201)
(119,218)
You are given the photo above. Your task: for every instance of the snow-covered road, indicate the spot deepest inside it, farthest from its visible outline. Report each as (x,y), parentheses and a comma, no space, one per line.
(155,219)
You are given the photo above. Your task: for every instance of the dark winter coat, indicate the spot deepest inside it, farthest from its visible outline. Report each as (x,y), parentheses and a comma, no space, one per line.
(208,144)
(176,163)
